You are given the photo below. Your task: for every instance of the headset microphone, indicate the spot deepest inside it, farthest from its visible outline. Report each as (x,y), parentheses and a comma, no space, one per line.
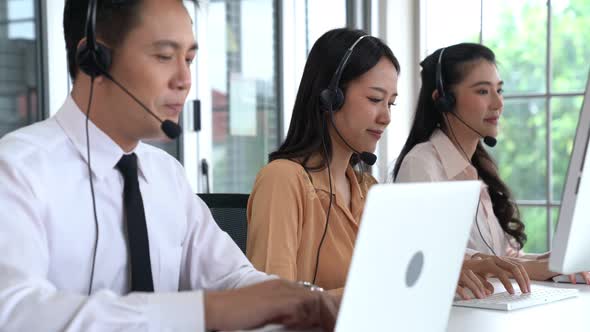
(488,140)
(367,157)
(94,59)
(332,98)
(171,129)
(446,101)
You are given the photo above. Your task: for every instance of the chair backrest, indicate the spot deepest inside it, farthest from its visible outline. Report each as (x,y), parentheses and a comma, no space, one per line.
(229,211)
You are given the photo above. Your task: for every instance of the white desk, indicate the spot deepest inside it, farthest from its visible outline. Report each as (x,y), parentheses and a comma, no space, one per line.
(568,315)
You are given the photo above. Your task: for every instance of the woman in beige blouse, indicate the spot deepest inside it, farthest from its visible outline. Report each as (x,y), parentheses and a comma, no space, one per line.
(460,103)
(289,233)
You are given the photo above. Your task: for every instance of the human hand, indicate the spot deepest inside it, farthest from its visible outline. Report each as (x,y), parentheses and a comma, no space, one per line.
(502,268)
(478,285)
(585,276)
(572,277)
(271,302)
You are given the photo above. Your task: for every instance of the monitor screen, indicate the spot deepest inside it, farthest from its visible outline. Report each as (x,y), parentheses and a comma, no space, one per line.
(571,243)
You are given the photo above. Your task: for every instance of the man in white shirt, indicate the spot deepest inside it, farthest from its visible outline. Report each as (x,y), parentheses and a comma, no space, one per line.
(64,267)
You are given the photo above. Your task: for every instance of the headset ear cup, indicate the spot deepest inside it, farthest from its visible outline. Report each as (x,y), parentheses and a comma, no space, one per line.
(331,99)
(338,99)
(93,62)
(104,56)
(326,98)
(445,103)
(450,100)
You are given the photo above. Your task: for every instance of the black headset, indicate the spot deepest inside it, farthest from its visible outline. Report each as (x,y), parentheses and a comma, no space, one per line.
(332,98)
(95,59)
(92,57)
(444,103)
(446,99)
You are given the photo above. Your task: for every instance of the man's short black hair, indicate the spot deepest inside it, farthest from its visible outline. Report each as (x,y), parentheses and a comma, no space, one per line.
(114,20)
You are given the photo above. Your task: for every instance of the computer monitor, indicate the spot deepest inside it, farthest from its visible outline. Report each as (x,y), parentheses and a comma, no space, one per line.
(571,243)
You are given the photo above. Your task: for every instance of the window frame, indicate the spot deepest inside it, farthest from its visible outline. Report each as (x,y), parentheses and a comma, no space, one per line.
(37,19)
(549,203)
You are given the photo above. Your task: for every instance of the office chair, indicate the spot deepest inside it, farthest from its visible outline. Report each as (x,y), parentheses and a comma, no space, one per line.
(229,211)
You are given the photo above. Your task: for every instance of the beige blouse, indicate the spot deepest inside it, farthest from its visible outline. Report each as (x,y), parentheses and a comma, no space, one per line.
(286,220)
(439,160)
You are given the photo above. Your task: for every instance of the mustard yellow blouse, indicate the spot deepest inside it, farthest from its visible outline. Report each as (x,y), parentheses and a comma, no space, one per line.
(286,219)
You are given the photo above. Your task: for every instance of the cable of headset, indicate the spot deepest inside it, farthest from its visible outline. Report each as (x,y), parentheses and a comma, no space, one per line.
(331,99)
(317,260)
(479,200)
(89,164)
(94,59)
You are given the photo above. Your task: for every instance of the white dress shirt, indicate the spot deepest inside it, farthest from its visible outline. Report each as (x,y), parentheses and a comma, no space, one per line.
(439,160)
(47,236)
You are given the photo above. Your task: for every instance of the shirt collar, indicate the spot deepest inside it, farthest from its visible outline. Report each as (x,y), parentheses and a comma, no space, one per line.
(321,181)
(104,152)
(452,160)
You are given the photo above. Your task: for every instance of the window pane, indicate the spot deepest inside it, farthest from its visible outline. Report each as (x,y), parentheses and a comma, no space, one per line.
(564,113)
(22,30)
(521,150)
(516,32)
(535,220)
(244,97)
(19,90)
(570,49)
(18,9)
(441,31)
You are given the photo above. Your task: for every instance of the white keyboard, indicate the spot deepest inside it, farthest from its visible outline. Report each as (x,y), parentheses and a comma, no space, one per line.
(505,301)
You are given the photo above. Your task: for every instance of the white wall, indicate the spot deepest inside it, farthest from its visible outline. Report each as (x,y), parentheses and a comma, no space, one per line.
(398,25)
(56,66)
(294,55)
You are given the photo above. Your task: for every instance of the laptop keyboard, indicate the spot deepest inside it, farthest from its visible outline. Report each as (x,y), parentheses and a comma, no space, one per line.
(506,301)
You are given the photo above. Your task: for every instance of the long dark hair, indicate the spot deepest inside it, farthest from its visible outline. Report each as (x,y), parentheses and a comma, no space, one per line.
(308,122)
(457,61)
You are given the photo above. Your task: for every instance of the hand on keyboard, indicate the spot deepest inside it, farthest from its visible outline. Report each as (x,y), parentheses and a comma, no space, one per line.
(580,278)
(471,284)
(501,268)
(506,301)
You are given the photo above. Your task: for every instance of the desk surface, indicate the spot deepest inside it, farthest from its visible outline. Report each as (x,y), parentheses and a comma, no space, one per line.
(570,314)
(567,315)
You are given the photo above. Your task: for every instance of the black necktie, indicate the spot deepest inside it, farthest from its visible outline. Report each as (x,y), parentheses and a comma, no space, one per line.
(137,235)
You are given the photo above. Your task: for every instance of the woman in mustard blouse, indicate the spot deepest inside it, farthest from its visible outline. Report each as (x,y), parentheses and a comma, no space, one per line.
(341,110)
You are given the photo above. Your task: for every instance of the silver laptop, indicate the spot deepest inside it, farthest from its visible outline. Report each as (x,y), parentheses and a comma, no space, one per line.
(407,257)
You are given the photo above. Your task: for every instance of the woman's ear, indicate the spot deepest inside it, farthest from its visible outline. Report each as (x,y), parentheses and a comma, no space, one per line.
(435,95)
(82,41)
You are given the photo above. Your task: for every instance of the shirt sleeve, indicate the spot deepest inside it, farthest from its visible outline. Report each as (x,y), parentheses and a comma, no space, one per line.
(469,253)
(211,260)
(30,302)
(275,213)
